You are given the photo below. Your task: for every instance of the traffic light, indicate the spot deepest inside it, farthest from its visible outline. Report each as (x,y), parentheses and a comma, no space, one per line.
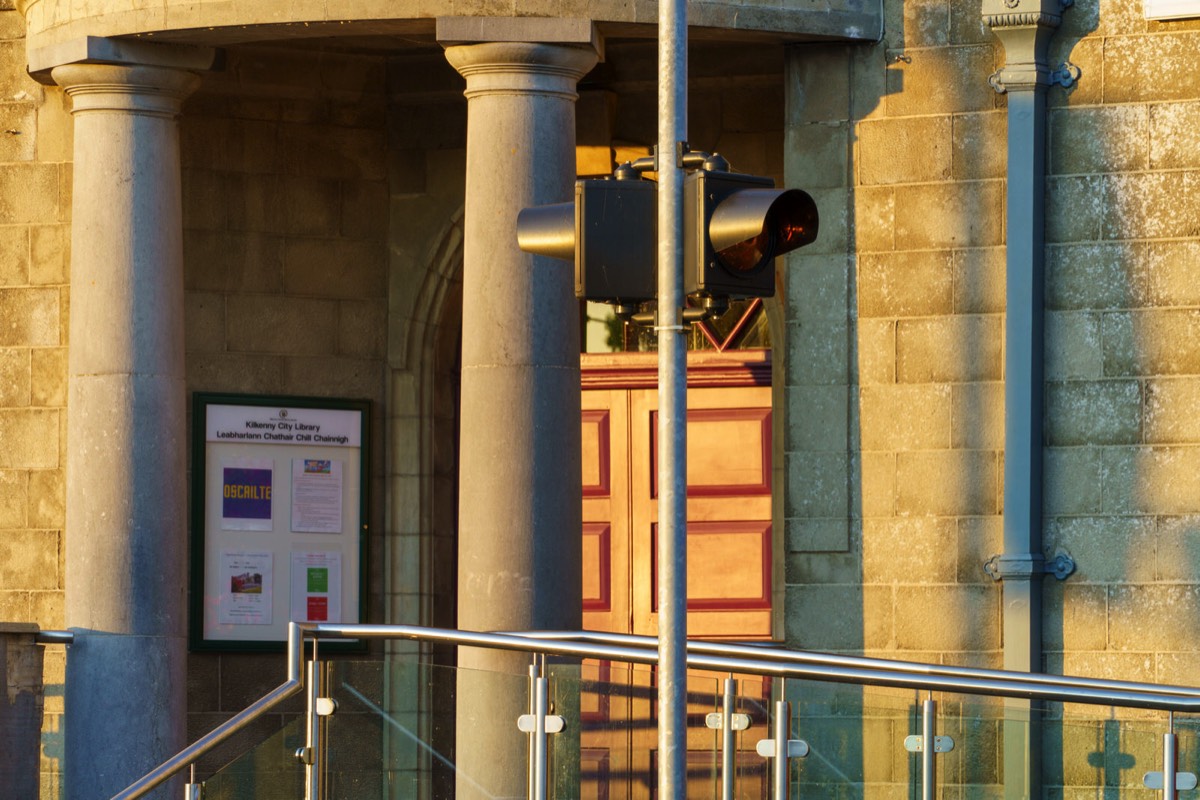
(734,227)
(609,231)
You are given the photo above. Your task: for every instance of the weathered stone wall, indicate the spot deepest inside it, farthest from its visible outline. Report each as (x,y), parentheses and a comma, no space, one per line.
(893,385)
(894,351)
(285,187)
(35,206)
(1123,377)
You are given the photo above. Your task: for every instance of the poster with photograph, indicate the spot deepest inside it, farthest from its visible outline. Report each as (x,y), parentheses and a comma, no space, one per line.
(316,495)
(246,581)
(246,494)
(317,586)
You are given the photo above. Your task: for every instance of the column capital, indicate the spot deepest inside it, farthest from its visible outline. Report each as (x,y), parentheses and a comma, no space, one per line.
(526,67)
(154,91)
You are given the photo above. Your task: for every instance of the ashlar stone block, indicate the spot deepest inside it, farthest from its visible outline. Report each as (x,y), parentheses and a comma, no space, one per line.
(977,416)
(1117,139)
(1151,205)
(949,349)
(1171,274)
(1147,68)
(1075,616)
(933,81)
(1107,549)
(948,617)
(15,377)
(285,325)
(1170,410)
(1175,135)
(951,483)
(915,550)
(1072,480)
(1139,614)
(1095,275)
(979,280)
(1151,480)
(1074,349)
(1151,342)
(1177,549)
(905,284)
(980,145)
(876,351)
(904,150)
(905,416)
(29,438)
(950,215)
(1094,412)
(48,377)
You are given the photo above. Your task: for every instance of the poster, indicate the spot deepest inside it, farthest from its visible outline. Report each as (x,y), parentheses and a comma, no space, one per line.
(246,494)
(317,586)
(316,495)
(246,588)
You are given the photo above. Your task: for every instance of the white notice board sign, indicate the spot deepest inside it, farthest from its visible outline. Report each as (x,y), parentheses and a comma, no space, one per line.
(278,516)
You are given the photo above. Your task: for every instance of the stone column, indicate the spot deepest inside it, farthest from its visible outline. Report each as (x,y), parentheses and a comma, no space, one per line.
(126,491)
(519,497)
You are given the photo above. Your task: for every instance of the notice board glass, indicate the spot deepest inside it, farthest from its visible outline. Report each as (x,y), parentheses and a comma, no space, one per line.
(278,517)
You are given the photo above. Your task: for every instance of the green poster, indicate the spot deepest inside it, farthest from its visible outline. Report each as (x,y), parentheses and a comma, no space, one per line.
(318,579)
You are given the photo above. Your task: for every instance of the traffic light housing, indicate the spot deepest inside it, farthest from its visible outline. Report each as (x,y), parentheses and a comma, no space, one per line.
(735,226)
(609,230)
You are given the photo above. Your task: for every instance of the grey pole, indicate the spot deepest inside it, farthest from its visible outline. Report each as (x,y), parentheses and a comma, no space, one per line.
(929,750)
(728,766)
(780,767)
(672,405)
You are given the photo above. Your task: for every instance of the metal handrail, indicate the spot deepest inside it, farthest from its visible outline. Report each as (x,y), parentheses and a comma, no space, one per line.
(1003,684)
(770,651)
(188,755)
(720,656)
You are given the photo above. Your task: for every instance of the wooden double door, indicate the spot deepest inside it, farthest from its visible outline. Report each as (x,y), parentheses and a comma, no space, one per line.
(731,576)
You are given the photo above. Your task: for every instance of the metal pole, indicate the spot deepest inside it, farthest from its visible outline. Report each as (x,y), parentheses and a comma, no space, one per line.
(928,750)
(1170,767)
(727,741)
(672,404)
(783,730)
(312,767)
(539,739)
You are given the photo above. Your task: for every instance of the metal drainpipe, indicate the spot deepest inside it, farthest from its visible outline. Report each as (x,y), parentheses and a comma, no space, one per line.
(1025,28)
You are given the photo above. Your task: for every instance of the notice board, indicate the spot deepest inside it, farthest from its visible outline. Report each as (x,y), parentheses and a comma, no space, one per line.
(278,517)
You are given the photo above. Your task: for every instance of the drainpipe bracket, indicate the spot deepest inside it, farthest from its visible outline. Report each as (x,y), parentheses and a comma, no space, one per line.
(1066,76)
(1029,566)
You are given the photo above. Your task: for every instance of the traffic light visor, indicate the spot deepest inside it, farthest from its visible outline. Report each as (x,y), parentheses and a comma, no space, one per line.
(752,226)
(548,230)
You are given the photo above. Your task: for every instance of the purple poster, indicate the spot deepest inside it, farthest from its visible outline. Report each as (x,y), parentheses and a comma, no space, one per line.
(246,495)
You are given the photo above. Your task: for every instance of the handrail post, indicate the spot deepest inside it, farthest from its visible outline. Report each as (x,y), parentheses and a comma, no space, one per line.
(1170,757)
(928,762)
(780,769)
(539,724)
(312,746)
(928,744)
(727,741)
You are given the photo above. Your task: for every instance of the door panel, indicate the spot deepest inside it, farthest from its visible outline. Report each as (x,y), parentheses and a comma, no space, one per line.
(729,580)
(728,512)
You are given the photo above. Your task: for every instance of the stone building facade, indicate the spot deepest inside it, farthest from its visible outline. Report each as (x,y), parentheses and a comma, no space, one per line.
(325,193)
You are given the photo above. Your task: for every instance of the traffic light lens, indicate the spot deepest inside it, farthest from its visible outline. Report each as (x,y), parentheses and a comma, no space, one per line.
(747,255)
